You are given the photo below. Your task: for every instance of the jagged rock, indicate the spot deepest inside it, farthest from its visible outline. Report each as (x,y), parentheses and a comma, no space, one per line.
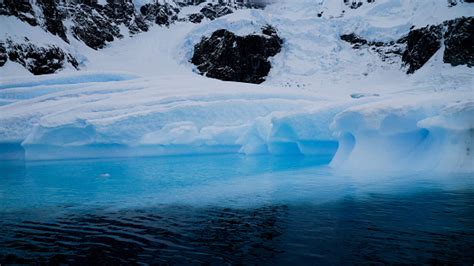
(92,23)
(459,42)
(388,51)
(20,9)
(354,4)
(96,23)
(161,14)
(3,54)
(419,45)
(92,28)
(191,3)
(452,3)
(257,4)
(212,12)
(39,60)
(196,18)
(354,39)
(415,49)
(53,18)
(422,44)
(226,56)
(123,12)
(270,31)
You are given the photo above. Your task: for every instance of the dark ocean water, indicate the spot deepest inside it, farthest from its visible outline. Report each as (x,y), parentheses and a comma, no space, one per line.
(230,209)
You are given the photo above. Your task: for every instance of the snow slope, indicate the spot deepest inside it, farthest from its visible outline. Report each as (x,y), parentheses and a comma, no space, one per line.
(140,97)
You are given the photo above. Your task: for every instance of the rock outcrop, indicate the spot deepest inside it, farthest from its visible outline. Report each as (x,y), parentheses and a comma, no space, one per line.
(420,44)
(36,59)
(161,14)
(229,57)
(53,17)
(212,12)
(3,54)
(123,12)
(93,28)
(389,52)
(196,17)
(458,39)
(459,42)
(95,23)
(20,9)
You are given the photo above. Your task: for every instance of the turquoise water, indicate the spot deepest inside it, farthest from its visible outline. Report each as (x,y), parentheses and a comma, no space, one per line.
(230,209)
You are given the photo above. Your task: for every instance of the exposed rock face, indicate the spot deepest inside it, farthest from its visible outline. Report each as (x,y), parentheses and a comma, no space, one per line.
(459,42)
(389,52)
(212,12)
(20,9)
(455,2)
(354,4)
(191,2)
(196,18)
(3,54)
(94,29)
(354,39)
(228,57)
(53,18)
(419,45)
(97,24)
(422,44)
(259,4)
(123,12)
(39,60)
(92,22)
(161,14)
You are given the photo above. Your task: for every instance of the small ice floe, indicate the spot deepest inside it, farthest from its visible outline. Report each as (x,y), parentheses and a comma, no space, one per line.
(362,95)
(104,175)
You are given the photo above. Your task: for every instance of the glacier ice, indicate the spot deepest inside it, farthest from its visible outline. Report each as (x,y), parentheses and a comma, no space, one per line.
(141,117)
(433,132)
(115,115)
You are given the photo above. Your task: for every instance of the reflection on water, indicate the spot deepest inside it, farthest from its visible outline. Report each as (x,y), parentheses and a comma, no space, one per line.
(170,234)
(229,209)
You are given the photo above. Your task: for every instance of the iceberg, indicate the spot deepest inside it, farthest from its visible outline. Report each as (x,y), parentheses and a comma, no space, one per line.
(93,115)
(143,117)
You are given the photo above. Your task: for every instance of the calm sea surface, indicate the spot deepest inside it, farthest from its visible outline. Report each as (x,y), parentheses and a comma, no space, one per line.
(230,209)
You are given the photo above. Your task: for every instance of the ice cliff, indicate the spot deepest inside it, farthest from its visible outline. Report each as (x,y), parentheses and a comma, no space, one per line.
(102,115)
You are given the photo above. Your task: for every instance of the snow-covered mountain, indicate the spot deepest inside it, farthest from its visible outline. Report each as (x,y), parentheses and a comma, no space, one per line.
(49,36)
(385,83)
